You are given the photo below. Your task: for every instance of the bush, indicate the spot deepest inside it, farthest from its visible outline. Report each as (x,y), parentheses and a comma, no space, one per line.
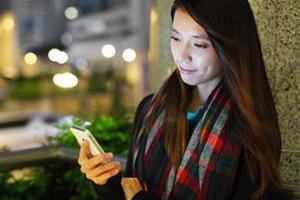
(26,89)
(111,133)
(64,180)
(56,181)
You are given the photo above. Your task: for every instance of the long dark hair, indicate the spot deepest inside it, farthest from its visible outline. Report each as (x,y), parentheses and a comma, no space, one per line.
(231,28)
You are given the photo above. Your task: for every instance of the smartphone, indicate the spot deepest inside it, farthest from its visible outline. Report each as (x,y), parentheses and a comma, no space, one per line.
(82,134)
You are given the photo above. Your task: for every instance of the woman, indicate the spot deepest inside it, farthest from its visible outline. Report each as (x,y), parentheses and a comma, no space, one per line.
(211,130)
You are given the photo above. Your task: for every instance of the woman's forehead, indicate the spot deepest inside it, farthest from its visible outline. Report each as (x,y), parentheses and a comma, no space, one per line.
(183,23)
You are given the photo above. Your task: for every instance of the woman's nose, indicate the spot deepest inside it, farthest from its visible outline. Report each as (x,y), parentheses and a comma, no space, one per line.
(186,53)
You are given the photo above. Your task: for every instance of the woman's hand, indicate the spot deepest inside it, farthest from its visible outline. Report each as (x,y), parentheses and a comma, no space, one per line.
(131,186)
(98,168)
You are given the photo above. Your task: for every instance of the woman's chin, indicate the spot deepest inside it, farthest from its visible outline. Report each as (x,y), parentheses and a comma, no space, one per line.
(189,81)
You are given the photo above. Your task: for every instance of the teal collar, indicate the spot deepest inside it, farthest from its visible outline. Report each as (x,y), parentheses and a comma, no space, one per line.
(191,116)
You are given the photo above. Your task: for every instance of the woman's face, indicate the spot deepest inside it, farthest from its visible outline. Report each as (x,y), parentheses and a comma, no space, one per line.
(192,51)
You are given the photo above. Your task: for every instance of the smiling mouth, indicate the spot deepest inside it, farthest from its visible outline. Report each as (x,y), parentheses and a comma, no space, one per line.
(186,71)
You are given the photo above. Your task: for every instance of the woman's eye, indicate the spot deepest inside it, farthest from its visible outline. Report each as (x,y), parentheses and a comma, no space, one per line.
(175,38)
(202,46)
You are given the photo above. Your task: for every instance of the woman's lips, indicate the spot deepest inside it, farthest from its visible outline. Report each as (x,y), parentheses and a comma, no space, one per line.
(187,71)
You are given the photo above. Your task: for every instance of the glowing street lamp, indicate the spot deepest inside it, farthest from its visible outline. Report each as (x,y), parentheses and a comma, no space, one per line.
(65,80)
(62,57)
(129,55)
(71,13)
(30,58)
(58,56)
(8,22)
(108,51)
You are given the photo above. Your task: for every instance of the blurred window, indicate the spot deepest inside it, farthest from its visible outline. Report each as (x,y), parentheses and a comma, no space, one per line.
(90,6)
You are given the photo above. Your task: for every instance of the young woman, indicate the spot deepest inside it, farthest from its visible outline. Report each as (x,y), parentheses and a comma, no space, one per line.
(211,131)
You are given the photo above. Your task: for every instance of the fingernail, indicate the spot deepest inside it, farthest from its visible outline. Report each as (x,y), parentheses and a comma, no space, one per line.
(109,155)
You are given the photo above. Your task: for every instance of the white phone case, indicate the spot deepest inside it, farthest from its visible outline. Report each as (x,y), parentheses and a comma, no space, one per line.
(82,134)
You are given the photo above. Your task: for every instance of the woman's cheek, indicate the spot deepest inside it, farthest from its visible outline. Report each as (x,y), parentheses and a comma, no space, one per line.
(200,61)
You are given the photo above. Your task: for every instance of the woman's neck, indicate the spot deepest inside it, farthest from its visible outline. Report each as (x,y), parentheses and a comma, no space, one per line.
(202,92)
(196,102)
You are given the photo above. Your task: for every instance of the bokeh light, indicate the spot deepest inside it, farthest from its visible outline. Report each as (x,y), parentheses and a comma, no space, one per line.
(30,58)
(65,80)
(108,51)
(71,13)
(58,56)
(8,22)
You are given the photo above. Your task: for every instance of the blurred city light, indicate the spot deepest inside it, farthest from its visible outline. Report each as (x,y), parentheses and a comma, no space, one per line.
(108,51)
(30,58)
(8,22)
(65,80)
(133,73)
(58,56)
(9,72)
(71,13)
(52,54)
(153,16)
(62,57)
(129,55)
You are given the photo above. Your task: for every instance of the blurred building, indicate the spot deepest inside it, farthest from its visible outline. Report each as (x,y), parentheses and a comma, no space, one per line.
(78,29)
(123,24)
(8,42)
(39,23)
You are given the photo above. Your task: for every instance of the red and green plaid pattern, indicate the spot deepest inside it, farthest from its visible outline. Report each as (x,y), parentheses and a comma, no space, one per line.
(209,165)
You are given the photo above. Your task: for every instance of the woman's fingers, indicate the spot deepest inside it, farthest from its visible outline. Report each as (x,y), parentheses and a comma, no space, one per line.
(99,170)
(136,184)
(84,152)
(126,188)
(131,186)
(102,179)
(132,183)
(89,164)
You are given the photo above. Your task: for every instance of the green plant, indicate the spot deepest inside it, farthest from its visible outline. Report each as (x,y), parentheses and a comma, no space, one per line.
(101,82)
(54,181)
(25,89)
(111,133)
(4,149)
(64,181)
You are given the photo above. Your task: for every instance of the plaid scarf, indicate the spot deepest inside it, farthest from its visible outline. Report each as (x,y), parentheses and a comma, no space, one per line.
(208,166)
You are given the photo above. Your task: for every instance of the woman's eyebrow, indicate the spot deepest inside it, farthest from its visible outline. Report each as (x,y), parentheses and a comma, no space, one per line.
(199,36)
(174,30)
